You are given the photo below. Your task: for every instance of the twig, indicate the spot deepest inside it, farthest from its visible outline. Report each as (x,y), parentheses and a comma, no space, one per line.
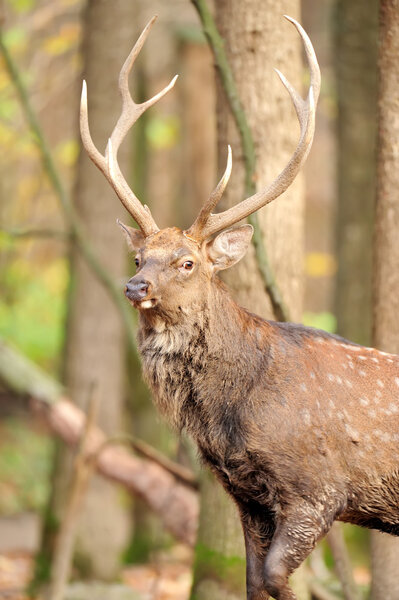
(342,564)
(181,473)
(44,233)
(55,180)
(226,76)
(83,468)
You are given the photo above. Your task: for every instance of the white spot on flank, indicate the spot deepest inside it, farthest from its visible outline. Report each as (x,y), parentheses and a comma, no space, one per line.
(362,357)
(372,413)
(348,383)
(362,373)
(351,365)
(312,375)
(383,435)
(364,401)
(375,359)
(378,393)
(345,366)
(354,435)
(330,377)
(389,360)
(306,417)
(303,387)
(394,408)
(397,381)
(338,379)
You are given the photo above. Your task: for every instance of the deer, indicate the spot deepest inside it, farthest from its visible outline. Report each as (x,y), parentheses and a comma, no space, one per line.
(301,427)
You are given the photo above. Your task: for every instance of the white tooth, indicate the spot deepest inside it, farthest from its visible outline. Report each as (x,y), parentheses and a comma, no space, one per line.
(146,304)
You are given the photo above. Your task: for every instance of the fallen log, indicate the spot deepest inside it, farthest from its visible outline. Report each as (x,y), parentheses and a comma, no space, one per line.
(175,504)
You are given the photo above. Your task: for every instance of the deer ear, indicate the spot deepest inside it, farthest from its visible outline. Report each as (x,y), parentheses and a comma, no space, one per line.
(134,237)
(229,246)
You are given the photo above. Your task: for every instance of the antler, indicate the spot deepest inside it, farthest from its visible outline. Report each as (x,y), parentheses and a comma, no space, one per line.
(131,111)
(206,224)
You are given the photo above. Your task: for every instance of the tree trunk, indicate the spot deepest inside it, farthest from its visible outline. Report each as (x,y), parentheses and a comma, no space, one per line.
(356,73)
(95,348)
(257,39)
(355,52)
(385,549)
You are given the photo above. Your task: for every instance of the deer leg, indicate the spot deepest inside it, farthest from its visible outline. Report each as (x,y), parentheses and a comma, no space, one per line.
(255,581)
(293,541)
(258,534)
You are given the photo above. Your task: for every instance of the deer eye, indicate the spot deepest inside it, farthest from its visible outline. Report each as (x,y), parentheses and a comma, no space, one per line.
(137,262)
(188,265)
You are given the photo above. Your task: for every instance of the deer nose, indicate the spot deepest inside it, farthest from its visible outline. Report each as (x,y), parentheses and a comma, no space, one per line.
(136,290)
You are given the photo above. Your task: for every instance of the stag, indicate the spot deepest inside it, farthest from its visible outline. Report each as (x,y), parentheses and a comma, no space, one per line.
(300,427)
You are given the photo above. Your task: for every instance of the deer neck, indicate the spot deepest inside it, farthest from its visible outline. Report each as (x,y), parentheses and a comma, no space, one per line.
(188,361)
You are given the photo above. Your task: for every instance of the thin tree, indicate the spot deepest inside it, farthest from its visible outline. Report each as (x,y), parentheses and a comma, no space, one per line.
(385,549)
(355,51)
(256,39)
(94,345)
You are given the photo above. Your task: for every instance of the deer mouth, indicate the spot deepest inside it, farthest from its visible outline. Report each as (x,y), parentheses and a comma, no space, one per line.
(148,303)
(143,304)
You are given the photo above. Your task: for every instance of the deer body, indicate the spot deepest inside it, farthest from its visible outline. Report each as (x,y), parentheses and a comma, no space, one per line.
(300,427)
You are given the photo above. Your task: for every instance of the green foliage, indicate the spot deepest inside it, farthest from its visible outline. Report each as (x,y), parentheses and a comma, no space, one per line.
(32,307)
(25,463)
(22,6)
(162,131)
(322,320)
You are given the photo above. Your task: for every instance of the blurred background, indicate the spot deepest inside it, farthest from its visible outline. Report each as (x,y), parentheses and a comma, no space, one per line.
(63,261)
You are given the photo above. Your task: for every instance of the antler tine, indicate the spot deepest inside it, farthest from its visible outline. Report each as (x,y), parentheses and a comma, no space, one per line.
(131,111)
(200,221)
(305,110)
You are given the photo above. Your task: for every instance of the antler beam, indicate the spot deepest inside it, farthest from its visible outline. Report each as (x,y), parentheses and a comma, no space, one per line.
(207,223)
(108,163)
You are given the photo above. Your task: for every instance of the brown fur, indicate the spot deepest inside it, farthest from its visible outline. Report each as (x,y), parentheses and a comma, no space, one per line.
(300,427)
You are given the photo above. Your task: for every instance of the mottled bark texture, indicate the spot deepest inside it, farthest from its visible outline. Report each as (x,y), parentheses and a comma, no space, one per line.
(385,549)
(95,349)
(257,38)
(356,75)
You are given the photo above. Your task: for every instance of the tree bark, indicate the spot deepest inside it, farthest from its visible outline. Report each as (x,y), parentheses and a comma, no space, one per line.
(95,338)
(257,39)
(356,74)
(385,549)
(355,52)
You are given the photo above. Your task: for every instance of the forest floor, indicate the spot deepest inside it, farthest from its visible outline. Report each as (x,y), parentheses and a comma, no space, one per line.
(164,580)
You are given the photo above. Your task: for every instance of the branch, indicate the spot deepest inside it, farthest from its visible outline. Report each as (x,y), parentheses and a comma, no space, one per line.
(174,503)
(56,182)
(216,43)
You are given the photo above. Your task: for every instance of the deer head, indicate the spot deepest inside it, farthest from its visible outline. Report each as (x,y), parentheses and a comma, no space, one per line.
(168,259)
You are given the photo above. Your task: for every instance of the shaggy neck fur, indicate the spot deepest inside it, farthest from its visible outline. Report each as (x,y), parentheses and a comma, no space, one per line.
(196,363)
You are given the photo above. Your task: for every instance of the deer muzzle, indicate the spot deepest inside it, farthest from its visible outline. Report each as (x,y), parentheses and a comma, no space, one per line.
(136,290)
